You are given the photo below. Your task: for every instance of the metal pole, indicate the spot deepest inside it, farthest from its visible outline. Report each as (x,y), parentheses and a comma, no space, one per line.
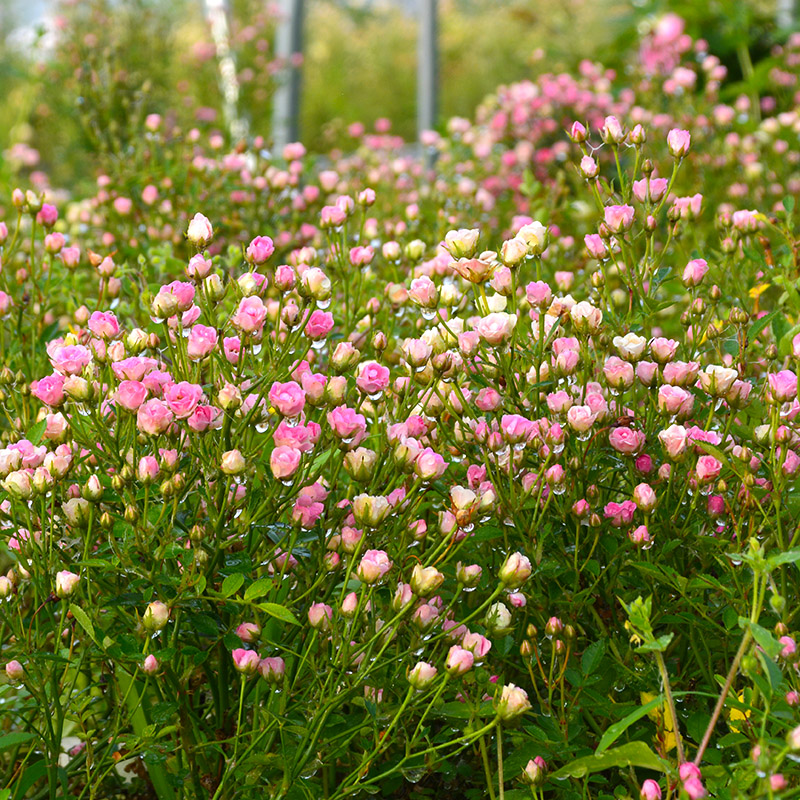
(427,66)
(288,47)
(229,83)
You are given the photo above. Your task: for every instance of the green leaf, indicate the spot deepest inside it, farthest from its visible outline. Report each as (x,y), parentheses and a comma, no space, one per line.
(774,674)
(592,657)
(259,588)
(763,637)
(85,623)
(232,584)
(788,203)
(618,728)
(34,435)
(659,645)
(279,612)
(633,754)
(787,557)
(760,324)
(15,738)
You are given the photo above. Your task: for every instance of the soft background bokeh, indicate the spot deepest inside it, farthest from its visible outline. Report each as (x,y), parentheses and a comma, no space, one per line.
(69,94)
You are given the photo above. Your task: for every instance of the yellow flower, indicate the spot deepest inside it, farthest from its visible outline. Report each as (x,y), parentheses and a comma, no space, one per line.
(736,714)
(661,716)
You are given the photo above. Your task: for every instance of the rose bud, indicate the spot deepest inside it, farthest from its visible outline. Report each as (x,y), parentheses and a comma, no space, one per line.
(421,675)
(513,703)
(272,669)
(425,580)
(459,661)
(155,617)
(66,582)
(245,661)
(15,671)
(150,665)
(515,571)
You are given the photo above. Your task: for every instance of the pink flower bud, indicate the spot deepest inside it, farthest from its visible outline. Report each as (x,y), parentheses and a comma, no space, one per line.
(249,632)
(272,669)
(694,272)
(618,218)
(245,661)
(534,771)
(516,569)
(155,617)
(373,567)
(15,671)
(200,232)
(66,582)
(650,790)
(421,675)
(513,703)
(259,250)
(678,142)
(150,665)
(320,616)
(458,660)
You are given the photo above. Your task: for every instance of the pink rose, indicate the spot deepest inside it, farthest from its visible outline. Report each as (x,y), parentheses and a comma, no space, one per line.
(675,401)
(259,250)
(319,325)
(346,423)
(429,465)
(781,386)
(250,316)
(134,368)
(674,440)
(154,417)
(678,142)
(708,469)
(373,378)
(618,218)
(202,340)
(182,398)
(104,325)
(694,272)
(49,390)
(496,328)
(205,418)
(70,359)
(130,395)
(288,398)
(626,440)
(284,462)
(373,567)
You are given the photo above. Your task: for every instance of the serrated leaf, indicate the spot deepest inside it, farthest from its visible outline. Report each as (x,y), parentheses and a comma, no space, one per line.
(632,754)
(258,588)
(279,612)
(83,619)
(232,584)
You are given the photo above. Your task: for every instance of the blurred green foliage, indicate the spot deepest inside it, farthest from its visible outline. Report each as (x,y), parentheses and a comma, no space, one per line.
(76,97)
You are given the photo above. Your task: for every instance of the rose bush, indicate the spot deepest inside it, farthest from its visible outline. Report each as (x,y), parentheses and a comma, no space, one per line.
(473,478)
